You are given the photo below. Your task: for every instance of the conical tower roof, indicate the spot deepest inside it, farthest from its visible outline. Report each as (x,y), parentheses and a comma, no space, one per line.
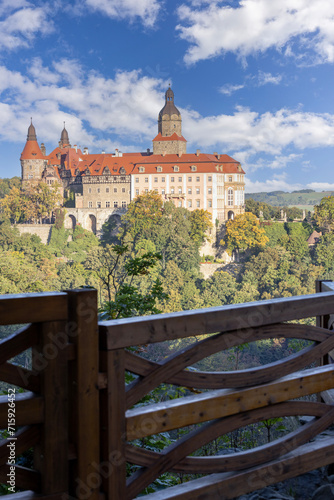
(31,150)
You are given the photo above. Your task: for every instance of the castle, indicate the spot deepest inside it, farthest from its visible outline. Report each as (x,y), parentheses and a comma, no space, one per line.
(104,184)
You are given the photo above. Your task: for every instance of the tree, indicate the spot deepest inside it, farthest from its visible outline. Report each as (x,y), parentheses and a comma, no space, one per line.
(127,281)
(200,223)
(324,253)
(244,232)
(45,199)
(324,213)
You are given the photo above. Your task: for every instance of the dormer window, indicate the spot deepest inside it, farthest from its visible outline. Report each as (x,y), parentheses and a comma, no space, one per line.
(193,168)
(141,169)
(159,169)
(106,171)
(176,168)
(122,170)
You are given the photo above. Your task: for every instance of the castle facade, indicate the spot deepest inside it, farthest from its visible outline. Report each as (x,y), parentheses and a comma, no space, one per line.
(104,184)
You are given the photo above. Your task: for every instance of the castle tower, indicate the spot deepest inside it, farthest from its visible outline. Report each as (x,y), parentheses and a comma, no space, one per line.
(32,159)
(64,140)
(169,139)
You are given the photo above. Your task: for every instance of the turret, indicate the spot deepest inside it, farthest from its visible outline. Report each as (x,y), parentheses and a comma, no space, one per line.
(32,159)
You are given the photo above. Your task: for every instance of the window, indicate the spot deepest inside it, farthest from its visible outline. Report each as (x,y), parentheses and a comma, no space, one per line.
(162,179)
(162,191)
(107,204)
(210,203)
(146,191)
(115,190)
(159,169)
(180,204)
(90,204)
(155,179)
(30,167)
(230,197)
(193,168)
(209,190)
(137,179)
(146,179)
(123,190)
(172,191)
(209,178)
(30,176)
(98,204)
(180,179)
(172,179)
(180,190)
(107,190)
(89,190)
(198,203)
(141,169)
(176,168)
(190,179)
(230,178)
(197,190)
(189,191)
(197,179)
(98,190)
(189,203)
(115,204)
(123,204)
(137,192)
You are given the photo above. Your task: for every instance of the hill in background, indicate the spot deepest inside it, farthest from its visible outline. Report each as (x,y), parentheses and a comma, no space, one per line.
(305,198)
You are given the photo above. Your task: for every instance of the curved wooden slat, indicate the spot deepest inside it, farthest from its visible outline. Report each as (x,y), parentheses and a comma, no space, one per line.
(161,417)
(157,462)
(243,378)
(229,486)
(25,438)
(243,460)
(18,342)
(21,377)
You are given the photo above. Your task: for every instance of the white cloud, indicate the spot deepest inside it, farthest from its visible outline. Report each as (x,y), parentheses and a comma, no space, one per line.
(146,10)
(255,26)
(21,22)
(321,186)
(265,78)
(266,133)
(279,183)
(126,105)
(229,88)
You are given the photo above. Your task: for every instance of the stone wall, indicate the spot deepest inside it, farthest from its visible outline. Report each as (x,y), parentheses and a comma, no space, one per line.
(41,230)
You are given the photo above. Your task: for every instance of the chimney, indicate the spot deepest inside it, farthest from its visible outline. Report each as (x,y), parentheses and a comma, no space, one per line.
(179,155)
(76,148)
(103,152)
(218,156)
(215,153)
(198,151)
(43,149)
(148,151)
(163,153)
(85,151)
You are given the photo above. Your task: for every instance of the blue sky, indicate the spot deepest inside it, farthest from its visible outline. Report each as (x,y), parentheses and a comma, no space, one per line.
(252,78)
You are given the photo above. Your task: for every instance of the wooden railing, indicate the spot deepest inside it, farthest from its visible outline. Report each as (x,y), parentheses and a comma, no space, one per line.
(83,421)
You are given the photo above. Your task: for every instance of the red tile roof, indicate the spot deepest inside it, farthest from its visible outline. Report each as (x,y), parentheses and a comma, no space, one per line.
(32,151)
(173,137)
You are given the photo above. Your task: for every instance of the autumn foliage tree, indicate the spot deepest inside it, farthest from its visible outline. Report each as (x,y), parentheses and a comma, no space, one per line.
(244,232)
(324,213)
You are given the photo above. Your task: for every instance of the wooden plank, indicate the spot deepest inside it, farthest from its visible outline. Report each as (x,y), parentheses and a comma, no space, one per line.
(16,375)
(51,453)
(120,333)
(29,409)
(242,378)
(229,485)
(112,401)
(240,461)
(84,407)
(26,479)
(33,307)
(25,439)
(162,417)
(31,495)
(18,342)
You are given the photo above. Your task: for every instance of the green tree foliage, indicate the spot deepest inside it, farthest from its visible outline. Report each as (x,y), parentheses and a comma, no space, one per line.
(277,234)
(324,254)
(7,184)
(244,232)
(219,289)
(261,209)
(324,213)
(200,224)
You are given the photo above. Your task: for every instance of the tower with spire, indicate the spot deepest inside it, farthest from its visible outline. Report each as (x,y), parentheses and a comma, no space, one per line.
(32,159)
(64,140)
(169,139)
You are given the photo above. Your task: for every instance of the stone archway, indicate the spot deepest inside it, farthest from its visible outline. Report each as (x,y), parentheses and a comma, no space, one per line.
(230,215)
(70,222)
(92,223)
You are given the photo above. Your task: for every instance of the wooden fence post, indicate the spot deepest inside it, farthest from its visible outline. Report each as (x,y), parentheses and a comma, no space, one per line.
(112,400)
(50,361)
(85,479)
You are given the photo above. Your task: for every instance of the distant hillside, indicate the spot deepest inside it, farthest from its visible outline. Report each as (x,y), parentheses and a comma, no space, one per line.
(296,198)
